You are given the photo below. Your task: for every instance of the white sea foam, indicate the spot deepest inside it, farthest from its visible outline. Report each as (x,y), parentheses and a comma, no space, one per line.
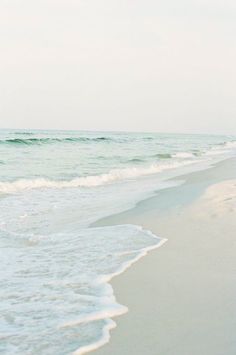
(102,341)
(89,181)
(216,151)
(226,148)
(183,155)
(120,309)
(70,273)
(231,144)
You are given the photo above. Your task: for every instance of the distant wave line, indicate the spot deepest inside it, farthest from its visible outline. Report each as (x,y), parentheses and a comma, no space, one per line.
(39,141)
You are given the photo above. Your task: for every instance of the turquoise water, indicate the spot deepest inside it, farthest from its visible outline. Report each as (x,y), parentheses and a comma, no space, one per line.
(56,297)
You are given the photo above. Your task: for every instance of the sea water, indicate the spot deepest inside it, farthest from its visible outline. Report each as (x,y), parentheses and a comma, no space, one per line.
(55,296)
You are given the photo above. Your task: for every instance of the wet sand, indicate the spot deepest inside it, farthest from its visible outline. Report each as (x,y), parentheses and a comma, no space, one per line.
(182,296)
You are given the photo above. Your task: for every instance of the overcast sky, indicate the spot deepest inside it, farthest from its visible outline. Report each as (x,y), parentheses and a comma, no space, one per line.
(141,65)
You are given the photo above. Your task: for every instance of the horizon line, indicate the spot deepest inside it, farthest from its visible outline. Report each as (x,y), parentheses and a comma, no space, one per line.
(115,131)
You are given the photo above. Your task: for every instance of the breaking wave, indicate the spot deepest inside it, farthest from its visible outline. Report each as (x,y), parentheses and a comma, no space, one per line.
(88,181)
(183,155)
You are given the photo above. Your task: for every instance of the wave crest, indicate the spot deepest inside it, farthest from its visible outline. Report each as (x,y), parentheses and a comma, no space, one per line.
(40,141)
(88,181)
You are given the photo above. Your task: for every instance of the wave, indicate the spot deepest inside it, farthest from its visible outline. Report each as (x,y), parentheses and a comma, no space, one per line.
(183,155)
(148,138)
(40,141)
(158,155)
(112,176)
(163,156)
(135,160)
(197,152)
(120,310)
(231,144)
(89,292)
(222,148)
(24,133)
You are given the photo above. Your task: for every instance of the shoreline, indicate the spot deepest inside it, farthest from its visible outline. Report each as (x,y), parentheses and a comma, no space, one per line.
(160,215)
(110,323)
(203,177)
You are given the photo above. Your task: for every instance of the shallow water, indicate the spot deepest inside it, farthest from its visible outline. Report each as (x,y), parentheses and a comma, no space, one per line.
(55,269)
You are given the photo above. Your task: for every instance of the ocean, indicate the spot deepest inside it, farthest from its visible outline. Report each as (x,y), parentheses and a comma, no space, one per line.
(55,296)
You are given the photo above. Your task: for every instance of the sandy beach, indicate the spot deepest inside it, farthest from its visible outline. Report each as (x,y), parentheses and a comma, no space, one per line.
(181,297)
(118,177)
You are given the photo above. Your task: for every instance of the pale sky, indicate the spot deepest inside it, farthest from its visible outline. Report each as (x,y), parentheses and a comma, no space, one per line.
(139,65)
